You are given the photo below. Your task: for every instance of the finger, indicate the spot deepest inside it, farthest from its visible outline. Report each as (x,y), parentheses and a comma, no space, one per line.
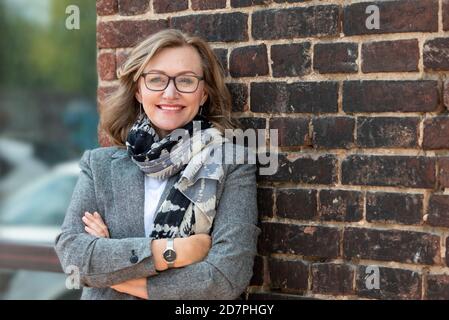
(95,221)
(94,226)
(91,231)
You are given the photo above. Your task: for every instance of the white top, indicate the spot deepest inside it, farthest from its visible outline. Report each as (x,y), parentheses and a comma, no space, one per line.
(153,193)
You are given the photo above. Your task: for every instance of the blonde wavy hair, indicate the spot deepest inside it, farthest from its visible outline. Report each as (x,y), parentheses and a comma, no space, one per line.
(120,109)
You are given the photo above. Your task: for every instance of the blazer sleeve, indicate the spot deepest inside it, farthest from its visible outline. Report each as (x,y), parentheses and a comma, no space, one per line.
(100,262)
(227,270)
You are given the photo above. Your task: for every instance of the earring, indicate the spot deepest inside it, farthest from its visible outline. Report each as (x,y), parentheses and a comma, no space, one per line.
(140,111)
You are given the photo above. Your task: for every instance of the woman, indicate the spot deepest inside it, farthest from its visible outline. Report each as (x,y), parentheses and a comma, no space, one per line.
(165,119)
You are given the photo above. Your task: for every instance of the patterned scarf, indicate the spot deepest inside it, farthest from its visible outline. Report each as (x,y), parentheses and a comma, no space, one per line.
(190,205)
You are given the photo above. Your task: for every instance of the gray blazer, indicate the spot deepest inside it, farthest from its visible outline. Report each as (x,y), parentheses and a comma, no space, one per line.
(111,184)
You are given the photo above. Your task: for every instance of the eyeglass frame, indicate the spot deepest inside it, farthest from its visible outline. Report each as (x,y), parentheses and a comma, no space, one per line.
(200,78)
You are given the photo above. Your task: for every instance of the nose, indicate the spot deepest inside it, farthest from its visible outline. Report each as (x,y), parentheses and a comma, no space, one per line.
(170,91)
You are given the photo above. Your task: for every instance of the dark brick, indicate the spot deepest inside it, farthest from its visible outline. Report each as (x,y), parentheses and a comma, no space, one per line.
(333,132)
(330,278)
(208,4)
(443,172)
(222,56)
(258,272)
(447,251)
(248,3)
(292,131)
(164,6)
(239,94)
(437,287)
(340,205)
(390,96)
(436,54)
(220,27)
(319,170)
(299,97)
(436,133)
(309,241)
(106,66)
(390,56)
(446,15)
(265,201)
(126,33)
(296,204)
(132,7)
(391,245)
(249,61)
(335,57)
(438,211)
(106,7)
(384,132)
(274,296)
(446,94)
(313,21)
(253,123)
(413,172)
(394,207)
(393,283)
(288,274)
(394,16)
(291,60)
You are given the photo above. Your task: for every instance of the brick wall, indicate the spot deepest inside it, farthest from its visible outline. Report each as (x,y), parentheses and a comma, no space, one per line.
(363,127)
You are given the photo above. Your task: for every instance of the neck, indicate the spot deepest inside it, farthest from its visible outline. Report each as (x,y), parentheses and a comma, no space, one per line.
(161,133)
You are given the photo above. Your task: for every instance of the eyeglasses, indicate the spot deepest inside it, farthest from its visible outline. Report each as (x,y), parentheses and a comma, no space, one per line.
(183,83)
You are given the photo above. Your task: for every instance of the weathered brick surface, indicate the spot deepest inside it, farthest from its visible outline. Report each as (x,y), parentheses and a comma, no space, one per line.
(391,245)
(390,96)
(393,283)
(363,167)
(390,56)
(335,57)
(394,207)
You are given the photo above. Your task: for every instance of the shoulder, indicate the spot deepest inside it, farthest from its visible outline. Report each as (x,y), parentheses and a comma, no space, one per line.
(238,159)
(102,155)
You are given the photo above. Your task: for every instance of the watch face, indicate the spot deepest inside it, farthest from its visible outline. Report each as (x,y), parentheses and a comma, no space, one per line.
(169,255)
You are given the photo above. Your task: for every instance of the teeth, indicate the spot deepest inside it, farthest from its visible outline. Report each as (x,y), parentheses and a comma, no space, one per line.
(163,107)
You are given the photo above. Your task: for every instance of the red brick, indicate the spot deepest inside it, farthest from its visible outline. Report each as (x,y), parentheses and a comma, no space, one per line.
(436,133)
(127,33)
(164,6)
(291,275)
(220,27)
(437,287)
(291,131)
(393,283)
(106,7)
(385,132)
(443,172)
(132,7)
(394,16)
(436,54)
(312,21)
(330,278)
(310,241)
(208,4)
(106,66)
(446,94)
(296,204)
(310,97)
(405,171)
(305,169)
(291,60)
(390,56)
(438,211)
(249,61)
(247,3)
(335,57)
(340,205)
(446,15)
(333,132)
(390,96)
(394,207)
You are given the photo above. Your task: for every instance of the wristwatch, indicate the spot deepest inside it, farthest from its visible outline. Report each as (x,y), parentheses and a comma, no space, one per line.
(170,253)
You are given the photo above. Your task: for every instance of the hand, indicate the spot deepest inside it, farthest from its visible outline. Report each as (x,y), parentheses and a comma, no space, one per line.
(134,287)
(95,225)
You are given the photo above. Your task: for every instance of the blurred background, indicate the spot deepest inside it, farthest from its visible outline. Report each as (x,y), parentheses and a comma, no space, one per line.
(48,117)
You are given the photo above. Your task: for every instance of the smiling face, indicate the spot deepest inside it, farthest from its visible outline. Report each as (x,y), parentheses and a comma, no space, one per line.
(170,109)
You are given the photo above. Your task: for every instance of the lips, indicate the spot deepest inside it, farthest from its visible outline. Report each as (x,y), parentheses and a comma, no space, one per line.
(170,107)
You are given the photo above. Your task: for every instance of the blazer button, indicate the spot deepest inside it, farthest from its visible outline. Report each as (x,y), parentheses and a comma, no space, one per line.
(133,258)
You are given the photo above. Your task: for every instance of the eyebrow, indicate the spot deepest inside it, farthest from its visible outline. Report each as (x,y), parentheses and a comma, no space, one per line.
(182,72)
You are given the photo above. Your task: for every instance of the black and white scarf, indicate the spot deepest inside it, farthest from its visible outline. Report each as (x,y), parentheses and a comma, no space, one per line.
(190,205)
